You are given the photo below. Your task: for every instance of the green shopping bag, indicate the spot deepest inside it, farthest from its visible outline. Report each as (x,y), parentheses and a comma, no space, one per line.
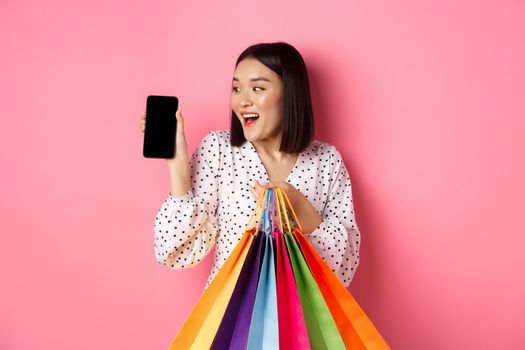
(322,329)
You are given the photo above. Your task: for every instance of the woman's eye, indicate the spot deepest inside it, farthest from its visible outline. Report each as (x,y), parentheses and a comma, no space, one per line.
(236,89)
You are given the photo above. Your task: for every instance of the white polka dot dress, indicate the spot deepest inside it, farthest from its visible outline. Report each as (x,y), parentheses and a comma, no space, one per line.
(216,209)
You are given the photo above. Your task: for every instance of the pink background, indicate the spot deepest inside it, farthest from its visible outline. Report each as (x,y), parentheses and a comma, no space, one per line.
(424,99)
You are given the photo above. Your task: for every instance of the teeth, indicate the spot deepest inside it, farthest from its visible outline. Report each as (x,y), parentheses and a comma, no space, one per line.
(250,115)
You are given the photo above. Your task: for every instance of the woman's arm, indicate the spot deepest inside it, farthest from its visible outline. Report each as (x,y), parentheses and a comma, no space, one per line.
(179,166)
(337,238)
(186,227)
(334,234)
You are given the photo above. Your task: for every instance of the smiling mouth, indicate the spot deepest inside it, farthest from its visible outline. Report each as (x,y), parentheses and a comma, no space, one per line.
(250,118)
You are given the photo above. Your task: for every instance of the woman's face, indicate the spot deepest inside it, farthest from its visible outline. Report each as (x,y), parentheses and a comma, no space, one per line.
(257,89)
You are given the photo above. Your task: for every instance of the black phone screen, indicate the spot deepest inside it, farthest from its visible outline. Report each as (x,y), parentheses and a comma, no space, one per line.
(160,129)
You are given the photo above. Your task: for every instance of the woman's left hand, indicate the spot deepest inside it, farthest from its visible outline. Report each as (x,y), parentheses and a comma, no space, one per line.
(307,215)
(297,199)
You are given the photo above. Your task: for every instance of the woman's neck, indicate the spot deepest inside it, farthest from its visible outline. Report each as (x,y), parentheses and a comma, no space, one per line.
(269,149)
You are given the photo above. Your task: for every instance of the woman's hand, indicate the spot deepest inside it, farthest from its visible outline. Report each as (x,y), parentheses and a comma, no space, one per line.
(179,165)
(142,122)
(296,198)
(308,217)
(181,146)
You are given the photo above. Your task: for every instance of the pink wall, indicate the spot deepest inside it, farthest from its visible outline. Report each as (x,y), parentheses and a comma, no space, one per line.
(425,101)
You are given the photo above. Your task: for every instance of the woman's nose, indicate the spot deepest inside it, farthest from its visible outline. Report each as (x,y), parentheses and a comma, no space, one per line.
(245,102)
(245,99)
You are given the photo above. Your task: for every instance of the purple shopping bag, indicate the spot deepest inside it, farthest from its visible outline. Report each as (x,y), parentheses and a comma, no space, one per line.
(235,325)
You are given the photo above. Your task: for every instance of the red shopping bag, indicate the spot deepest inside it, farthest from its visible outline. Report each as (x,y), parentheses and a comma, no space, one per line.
(356,329)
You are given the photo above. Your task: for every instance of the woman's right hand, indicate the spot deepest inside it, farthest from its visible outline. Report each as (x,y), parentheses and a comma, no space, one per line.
(179,165)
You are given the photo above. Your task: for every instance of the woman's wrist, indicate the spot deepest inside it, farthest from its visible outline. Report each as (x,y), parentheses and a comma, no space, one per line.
(180,179)
(308,217)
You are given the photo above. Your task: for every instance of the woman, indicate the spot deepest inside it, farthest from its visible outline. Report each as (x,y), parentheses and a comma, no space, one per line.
(270,143)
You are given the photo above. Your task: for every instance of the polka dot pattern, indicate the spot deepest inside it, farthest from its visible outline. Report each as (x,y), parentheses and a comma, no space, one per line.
(215,210)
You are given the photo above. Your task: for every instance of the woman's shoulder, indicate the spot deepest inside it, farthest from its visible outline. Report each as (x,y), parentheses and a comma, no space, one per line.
(327,156)
(217,133)
(218,138)
(322,149)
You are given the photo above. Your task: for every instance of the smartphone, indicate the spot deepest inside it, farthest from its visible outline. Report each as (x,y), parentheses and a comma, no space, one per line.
(161,127)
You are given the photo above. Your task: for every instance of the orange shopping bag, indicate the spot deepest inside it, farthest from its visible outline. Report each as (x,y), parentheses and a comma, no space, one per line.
(356,329)
(199,329)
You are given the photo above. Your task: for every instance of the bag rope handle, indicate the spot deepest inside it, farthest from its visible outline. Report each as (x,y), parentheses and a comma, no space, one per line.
(257,211)
(260,212)
(278,206)
(266,217)
(282,194)
(284,213)
(276,212)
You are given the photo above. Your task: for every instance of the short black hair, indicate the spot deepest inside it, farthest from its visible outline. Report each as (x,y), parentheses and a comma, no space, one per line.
(298,121)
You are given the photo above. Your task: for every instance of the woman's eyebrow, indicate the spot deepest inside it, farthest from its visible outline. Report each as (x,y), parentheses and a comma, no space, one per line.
(254,79)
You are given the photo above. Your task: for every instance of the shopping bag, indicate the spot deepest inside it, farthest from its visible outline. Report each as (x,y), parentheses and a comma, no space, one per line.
(264,330)
(355,328)
(292,327)
(235,325)
(199,329)
(276,292)
(322,330)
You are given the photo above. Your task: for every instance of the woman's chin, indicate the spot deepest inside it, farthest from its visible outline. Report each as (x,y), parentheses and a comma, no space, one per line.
(249,137)
(248,134)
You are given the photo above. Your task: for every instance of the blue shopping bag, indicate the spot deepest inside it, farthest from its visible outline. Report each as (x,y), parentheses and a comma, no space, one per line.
(264,328)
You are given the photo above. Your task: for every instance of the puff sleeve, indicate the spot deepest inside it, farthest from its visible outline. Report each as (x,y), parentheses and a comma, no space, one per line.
(337,238)
(185,228)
